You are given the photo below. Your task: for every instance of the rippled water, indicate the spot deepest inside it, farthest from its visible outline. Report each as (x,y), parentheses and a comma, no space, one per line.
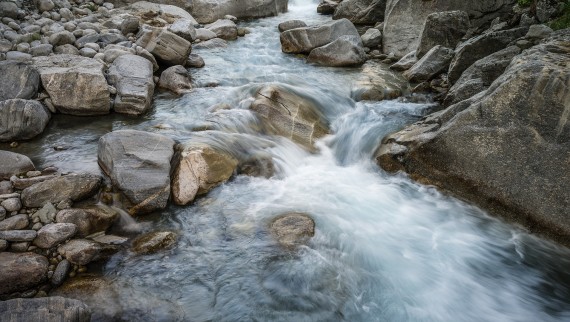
(385,248)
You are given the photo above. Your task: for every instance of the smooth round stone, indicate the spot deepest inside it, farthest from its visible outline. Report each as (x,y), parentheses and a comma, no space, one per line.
(23,47)
(12,204)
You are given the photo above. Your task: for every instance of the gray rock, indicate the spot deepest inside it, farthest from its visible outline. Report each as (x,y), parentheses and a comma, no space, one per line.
(3,245)
(443,28)
(207,11)
(66,50)
(167,47)
(184,28)
(377,82)
(344,51)
(291,24)
(41,50)
(195,61)
(52,235)
(62,38)
(18,56)
(73,187)
(5,45)
(132,77)
(44,309)
(327,7)
(112,52)
(87,39)
(538,32)
(12,204)
(153,242)
(23,183)
(66,13)
(14,222)
(211,44)
(372,38)
(22,119)
(76,85)
(293,229)
(80,251)
(18,235)
(20,272)
(19,247)
(138,164)
(303,40)
(45,5)
(46,214)
(546,10)
(176,79)
(60,273)
(224,29)
(6,187)
(19,80)
(9,9)
(13,164)
(87,52)
(205,34)
(405,62)
(130,24)
(361,11)
(432,64)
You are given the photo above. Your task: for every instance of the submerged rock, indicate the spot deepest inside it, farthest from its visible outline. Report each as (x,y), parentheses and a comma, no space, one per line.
(54,308)
(293,229)
(22,119)
(20,272)
(153,242)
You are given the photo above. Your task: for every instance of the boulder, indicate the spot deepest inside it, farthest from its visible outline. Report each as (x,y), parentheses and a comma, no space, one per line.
(62,38)
(166,10)
(207,11)
(365,12)
(344,51)
(22,119)
(200,168)
(19,80)
(211,44)
(11,204)
(286,113)
(168,48)
(327,7)
(52,235)
(132,76)
(138,164)
(546,10)
(224,29)
(432,64)
(80,251)
(537,32)
(20,272)
(443,28)
(88,220)
(195,61)
(293,229)
(9,9)
(479,47)
(205,34)
(53,308)
(13,164)
(405,62)
(76,85)
(372,38)
(290,24)
(479,76)
(15,222)
(176,79)
(183,28)
(72,187)
(153,242)
(377,82)
(303,40)
(504,147)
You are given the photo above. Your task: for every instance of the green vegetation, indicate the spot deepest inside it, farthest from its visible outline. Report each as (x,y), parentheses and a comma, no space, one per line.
(525,3)
(563,21)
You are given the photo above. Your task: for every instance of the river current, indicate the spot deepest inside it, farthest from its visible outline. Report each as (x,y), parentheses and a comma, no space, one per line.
(385,248)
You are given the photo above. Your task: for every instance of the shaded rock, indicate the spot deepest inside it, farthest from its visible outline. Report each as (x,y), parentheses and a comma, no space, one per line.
(211,44)
(22,119)
(546,10)
(432,64)
(13,164)
(19,80)
(291,24)
(293,229)
(405,62)
(224,29)
(303,40)
(195,61)
(377,82)
(361,11)
(53,234)
(153,242)
(372,38)
(18,235)
(327,7)
(19,247)
(176,79)
(72,187)
(20,272)
(443,28)
(344,51)
(44,309)
(132,77)
(6,187)
(538,32)
(3,245)
(14,222)
(167,47)
(183,28)
(76,85)
(138,163)
(88,220)
(207,11)
(60,273)
(80,251)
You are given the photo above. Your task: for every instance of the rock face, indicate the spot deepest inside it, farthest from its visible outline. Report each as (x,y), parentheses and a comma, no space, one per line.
(167,47)
(76,85)
(377,82)
(13,163)
(138,163)
(19,272)
(344,51)
(443,28)
(22,119)
(405,19)
(88,220)
(132,77)
(153,242)
(72,187)
(303,40)
(200,168)
(433,63)
(290,115)
(53,308)
(361,11)
(405,62)
(19,80)
(504,147)
(53,234)
(292,230)
(224,29)
(207,11)
(176,79)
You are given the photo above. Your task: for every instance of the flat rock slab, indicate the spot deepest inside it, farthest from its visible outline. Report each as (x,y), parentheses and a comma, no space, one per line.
(43,309)
(72,187)
(13,164)
(19,272)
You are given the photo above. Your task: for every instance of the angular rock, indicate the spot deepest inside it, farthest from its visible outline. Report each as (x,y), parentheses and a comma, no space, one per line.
(205,34)
(53,234)
(176,79)
(153,242)
(303,40)
(14,222)
(72,187)
(372,38)
(22,119)
(207,11)
(167,47)
(138,163)
(377,82)
(538,32)
(80,251)
(361,11)
(88,220)
(432,64)
(18,235)
(405,62)
(132,76)
(224,29)
(20,272)
(443,28)
(19,80)
(13,164)
(76,85)
(547,9)
(293,229)
(53,308)
(183,28)
(291,24)
(344,51)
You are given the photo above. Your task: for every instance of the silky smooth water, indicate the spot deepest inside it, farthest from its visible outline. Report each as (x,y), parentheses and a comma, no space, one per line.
(385,248)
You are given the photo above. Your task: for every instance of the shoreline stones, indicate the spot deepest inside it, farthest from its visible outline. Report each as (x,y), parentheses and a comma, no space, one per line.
(153,242)
(72,187)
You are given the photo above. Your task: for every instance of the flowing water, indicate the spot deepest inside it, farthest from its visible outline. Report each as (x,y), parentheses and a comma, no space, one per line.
(385,248)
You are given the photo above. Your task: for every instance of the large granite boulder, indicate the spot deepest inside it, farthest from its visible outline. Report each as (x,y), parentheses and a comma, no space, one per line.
(176,79)
(432,64)
(344,51)
(183,28)
(366,12)
(72,187)
(75,84)
(19,80)
(53,308)
(13,164)
(138,164)
(81,251)
(168,48)
(207,11)
(22,119)
(132,77)
(443,28)
(291,24)
(405,19)
(305,39)
(505,149)
(20,272)
(224,29)
(377,82)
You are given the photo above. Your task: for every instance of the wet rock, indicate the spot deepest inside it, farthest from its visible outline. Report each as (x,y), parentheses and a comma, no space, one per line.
(18,235)
(13,164)
(372,38)
(199,169)
(205,34)
(53,234)
(138,163)
(73,187)
(176,79)
(433,63)
(303,40)
(14,222)
(22,119)
(80,251)
(257,166)
(19,80)
(377,82)
(44,309)
(88,220)
(167,47)
(60,273)
(293,229)
(443,28)
(132,77)
(12,204)
(153,242)
(20,272)
(224,29)
(75,84)
(207,11)
(405,62)
(195,61)
(183,28)
(361,11)
(211,44)
(344,51)
(291,24)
